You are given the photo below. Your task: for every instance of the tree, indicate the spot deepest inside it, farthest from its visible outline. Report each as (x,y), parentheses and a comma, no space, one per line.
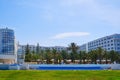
(113,56)
(106,56)
(35,56)
(64,55)
(80,57)
(27,54)
(100,54)
(42,55)
(84,56)
(93,56)
(59,58)
(54,51)
(118,58)
(37,49)
(73,48)
(48,56)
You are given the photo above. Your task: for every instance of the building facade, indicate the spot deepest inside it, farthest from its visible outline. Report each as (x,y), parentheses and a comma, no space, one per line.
(7,46)
(22,48)
(33,48)
(108,43)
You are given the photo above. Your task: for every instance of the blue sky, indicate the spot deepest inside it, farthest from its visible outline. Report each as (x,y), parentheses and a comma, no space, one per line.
(60,22)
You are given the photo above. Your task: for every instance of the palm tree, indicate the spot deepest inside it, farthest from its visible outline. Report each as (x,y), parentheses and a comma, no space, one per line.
(113,56)
(64,55)
(59,58)
(80,57)
(42,55)
(106,56)
(84,56)
(48,56)
(118,58)
(93,56)
(73,48)
(100,54)
(54,52)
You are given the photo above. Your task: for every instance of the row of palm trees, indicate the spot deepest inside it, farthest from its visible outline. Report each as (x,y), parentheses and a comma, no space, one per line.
(57,57)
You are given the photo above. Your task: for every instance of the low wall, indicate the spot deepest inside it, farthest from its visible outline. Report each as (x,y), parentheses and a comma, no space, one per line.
(115,66)
(4,66)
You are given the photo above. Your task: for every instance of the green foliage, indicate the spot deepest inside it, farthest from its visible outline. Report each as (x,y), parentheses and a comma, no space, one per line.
(73,48)
(37,49)
(106,56)
(113,56)
(27,54)
(65,56)
(93,56)
(54,56)
(48,56)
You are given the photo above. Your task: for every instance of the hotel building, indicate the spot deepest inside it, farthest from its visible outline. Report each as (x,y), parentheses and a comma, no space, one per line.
(108,43)
(8,48)
(22,48)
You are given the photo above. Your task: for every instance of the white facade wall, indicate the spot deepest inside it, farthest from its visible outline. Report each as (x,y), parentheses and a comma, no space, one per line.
(108,43)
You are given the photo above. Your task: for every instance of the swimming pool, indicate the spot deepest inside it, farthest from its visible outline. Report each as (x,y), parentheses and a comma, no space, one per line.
(70,67)
(59,66)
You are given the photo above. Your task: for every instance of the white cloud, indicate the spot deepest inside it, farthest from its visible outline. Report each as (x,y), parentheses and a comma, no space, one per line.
(70,34)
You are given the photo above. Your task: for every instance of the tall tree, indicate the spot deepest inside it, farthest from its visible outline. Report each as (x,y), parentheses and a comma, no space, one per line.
(73,48)
(48,56)
(118,58)
(35,56)
(54,51)
(42,55)
(27,54)
(64,55)
(84,56)
(106,56)
(113,56)
(80,57)
(38,48)
(93,56)
(59,58)
(100,54)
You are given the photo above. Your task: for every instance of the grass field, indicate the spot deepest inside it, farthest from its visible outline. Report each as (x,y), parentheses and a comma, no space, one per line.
(59,75)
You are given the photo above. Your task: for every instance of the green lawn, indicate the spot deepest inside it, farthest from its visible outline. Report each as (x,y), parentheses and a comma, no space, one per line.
(59,75)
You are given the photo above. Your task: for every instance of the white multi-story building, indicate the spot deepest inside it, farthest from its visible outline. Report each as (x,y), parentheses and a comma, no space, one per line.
(33,48)
(8,48)
(57,48)
(108,43)
(22,48)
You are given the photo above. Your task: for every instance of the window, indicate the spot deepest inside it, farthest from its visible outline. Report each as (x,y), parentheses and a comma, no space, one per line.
(111,44)
(108,48)
(118,48)
(111,48)
(111,40)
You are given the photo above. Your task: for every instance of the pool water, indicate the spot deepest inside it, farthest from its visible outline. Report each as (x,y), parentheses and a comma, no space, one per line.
(70,67)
